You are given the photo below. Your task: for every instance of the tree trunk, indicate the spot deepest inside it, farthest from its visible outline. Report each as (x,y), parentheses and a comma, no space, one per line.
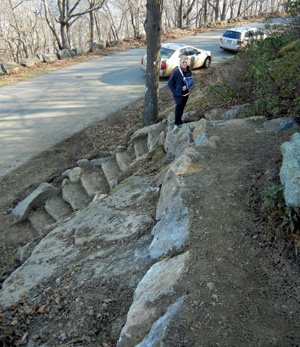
(205,20)
(224,8)
(92,27)
(64,35)
(153,32)
(180,15)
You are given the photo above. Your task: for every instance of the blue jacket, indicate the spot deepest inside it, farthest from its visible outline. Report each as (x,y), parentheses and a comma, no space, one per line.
(175,82)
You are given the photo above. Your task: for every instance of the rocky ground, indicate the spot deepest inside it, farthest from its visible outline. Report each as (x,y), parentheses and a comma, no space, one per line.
(240,287)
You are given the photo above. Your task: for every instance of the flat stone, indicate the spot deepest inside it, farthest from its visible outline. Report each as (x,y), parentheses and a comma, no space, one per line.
(41,221)
(94,182)
(34,200)
(57,208)
(154,129)
(75,195)
(140,147)
(124,159)
(75,174)
(111,171)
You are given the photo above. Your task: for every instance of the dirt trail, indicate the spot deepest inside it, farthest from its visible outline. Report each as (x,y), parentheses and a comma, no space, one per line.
(243,290)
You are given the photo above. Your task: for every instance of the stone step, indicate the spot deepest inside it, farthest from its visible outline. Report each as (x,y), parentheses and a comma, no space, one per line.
(140,147)
(111,171)
(124,159)
(75,195)
(94,182)
(34,200)
(40,220)
(57,208)
(151,133)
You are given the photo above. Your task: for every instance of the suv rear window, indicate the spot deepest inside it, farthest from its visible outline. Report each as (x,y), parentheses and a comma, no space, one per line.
(232,34)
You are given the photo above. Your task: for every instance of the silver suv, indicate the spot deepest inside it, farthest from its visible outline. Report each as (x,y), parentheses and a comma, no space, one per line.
(234,38)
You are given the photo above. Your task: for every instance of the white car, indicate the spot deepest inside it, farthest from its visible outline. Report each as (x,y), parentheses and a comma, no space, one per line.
(170,54)
(234,38)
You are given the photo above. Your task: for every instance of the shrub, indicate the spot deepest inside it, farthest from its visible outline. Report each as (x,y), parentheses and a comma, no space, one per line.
(286,219)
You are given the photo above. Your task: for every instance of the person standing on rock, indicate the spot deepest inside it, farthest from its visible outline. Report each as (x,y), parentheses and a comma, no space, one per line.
(180,83)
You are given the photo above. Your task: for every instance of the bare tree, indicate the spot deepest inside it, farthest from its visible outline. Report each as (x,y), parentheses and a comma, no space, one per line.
(153,32)
(67,12)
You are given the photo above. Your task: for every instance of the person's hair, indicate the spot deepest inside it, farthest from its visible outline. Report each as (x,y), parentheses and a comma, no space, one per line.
(184,57)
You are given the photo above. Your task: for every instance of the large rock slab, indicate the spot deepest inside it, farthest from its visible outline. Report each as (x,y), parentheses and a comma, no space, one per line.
(157,284)
(176,141)
(172,230)
(290,170)
(107,239)
(172,183)
(163,324)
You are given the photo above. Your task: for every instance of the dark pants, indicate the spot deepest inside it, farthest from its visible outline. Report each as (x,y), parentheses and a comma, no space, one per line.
(180,105)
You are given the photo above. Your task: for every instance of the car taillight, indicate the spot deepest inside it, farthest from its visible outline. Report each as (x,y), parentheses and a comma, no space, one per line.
(220,38)
(163,65)
(142,61)
(239,43)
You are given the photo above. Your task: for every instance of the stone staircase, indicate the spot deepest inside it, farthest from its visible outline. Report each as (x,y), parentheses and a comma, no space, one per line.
(48,205)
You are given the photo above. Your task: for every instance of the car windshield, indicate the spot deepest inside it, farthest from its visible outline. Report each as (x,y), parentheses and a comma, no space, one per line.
(232,34)
(166,53)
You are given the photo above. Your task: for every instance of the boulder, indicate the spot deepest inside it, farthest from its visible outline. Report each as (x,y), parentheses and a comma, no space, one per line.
(10,67)
(158,283)
(47,58)
(161,327)
(97,46)
(28,62)
(278,125)
(235,111)
(215,114)
(65,53)
(176,141)
(290,170)
(77,51)
(191,116)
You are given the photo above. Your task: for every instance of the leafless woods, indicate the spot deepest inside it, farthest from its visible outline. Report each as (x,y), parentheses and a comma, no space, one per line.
(29,28)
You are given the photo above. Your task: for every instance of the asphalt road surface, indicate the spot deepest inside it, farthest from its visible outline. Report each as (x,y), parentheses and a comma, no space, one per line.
(40,112)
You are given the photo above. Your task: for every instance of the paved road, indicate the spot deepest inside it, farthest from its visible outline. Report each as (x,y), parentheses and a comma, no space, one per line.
(38,113)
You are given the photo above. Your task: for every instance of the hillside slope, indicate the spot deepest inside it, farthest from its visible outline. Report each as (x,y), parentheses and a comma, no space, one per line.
(227,284)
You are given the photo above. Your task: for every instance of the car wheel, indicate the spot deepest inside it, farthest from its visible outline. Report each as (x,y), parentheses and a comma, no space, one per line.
(207,62)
